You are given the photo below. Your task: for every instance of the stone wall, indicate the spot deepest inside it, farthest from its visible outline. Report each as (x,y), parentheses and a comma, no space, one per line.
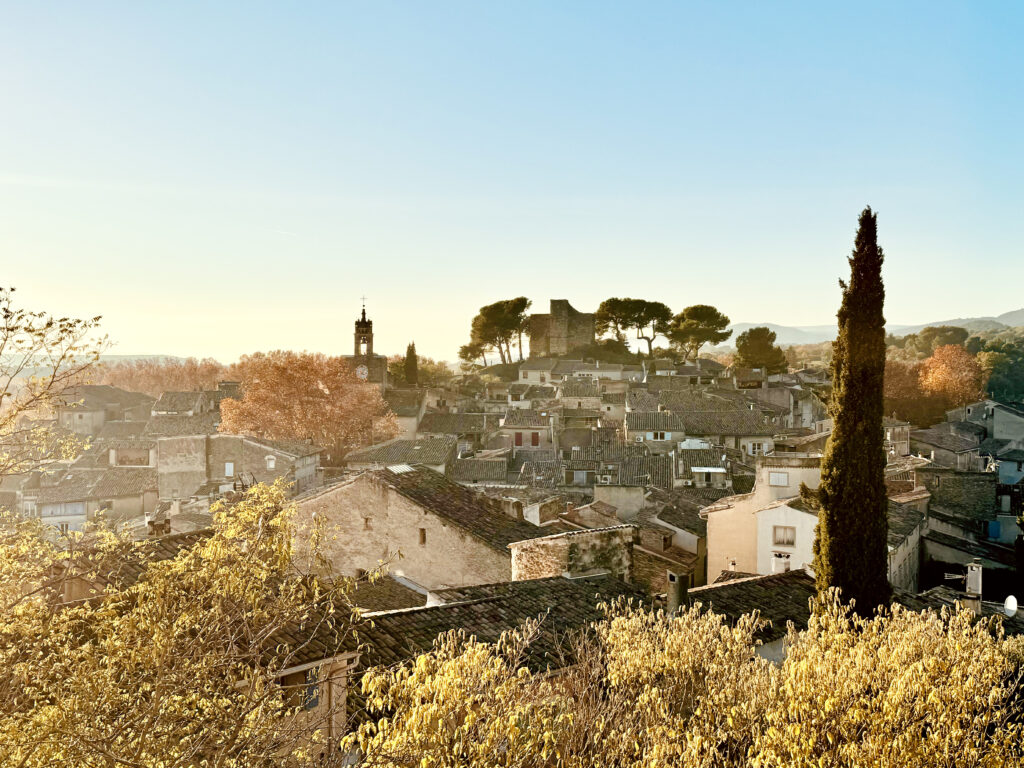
(972,494)
(576,553)
(561,330)
(368,523)
(628,500)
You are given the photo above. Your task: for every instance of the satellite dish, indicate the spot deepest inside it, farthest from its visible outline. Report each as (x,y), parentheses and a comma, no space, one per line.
(1010,606)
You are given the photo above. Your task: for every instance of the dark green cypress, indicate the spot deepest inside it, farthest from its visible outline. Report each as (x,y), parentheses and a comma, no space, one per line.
(412,366)
(851,551)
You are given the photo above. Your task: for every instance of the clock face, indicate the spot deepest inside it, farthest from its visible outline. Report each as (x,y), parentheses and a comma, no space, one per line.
(362,372)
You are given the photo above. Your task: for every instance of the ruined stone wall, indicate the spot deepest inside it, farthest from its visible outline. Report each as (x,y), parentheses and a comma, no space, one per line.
(561,330)
(367,523)
(576,553)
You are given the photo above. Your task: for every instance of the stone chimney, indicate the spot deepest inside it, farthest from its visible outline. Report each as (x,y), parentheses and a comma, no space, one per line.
(676,592)
(512,508)
(972,596)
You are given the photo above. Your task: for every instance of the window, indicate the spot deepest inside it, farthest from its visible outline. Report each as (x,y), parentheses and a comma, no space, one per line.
(543,378)
(63,528)
(707,477)
(271,462)
(360,573)
(519,438)
(658,436)
(311,691)
(778,479)
(80,417)
(756,449)
(423,537)
(229,469)
(367,525)
(888,434)
(784,535)
(535,438)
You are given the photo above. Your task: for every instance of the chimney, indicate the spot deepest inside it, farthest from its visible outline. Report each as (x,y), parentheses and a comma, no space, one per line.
(972,598)
(732,565)
(675,592)
(512,508)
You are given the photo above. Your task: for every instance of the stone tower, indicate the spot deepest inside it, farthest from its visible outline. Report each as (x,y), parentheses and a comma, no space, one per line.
(364,336)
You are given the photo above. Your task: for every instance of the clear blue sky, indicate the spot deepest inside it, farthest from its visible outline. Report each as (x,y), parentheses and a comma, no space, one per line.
(217,178)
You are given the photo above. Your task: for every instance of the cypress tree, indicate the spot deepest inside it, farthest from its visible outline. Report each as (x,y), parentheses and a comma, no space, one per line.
(851,551)
(412,368)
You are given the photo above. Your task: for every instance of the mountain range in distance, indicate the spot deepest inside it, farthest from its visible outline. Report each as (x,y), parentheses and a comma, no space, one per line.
(787,335)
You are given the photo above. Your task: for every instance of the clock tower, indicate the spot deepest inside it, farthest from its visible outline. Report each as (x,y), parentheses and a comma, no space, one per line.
(364,336)
(371,368)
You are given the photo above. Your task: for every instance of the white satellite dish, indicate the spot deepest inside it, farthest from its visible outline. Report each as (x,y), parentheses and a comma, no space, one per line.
(1010,606)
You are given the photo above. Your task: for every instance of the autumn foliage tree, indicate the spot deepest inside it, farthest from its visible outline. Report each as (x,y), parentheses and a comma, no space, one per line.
(154,376)
(953,374)
(299,396)
(178,669)
(897,690)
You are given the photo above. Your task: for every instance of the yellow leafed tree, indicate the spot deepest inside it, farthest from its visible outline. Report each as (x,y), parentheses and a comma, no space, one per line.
(179,667)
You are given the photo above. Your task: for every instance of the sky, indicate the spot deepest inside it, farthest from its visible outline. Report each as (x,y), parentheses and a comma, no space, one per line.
(221,178)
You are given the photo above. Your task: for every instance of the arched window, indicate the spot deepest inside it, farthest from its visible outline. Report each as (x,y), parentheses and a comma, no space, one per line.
(271,462)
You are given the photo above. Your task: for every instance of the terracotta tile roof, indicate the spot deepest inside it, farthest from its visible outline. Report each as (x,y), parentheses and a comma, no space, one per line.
(699,457)
(902,522)
(93,397)
(488,610)
(580,388)
(641,400)
(1001,554)
(721,423)
(478,515)
(780,598)
(678,400)
(653,421)
(539,392)
(176,425)
(526,418)
(121,430)
(457,423)
(386,594)
(74,486)
(538,364)
(940,438)
(647,471)
(480,470)
(124,481)
(426,450)
(613,398)
(685,517)
(178,402)
(732,576)
(295,448)
(405,402)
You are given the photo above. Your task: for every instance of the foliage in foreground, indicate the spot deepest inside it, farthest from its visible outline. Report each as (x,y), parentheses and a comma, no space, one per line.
(178,670)
(897,689)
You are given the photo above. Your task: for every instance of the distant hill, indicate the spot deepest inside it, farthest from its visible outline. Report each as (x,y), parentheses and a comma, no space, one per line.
(787,335)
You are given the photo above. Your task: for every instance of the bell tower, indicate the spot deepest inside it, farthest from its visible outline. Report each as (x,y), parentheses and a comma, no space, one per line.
(364,335)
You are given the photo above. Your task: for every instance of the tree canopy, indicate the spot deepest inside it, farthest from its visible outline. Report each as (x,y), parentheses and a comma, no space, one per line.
(953,374)
(42,359)
(178,668)
(299,396)
(851,547)
(756,348)
(497,325)
(696,326)
(895,690)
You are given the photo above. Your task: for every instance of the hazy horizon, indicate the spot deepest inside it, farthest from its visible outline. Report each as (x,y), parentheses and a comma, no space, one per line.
(220,180)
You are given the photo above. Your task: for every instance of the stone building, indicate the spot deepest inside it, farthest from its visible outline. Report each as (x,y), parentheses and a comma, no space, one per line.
(561,330)
(368,366)
(428,528)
